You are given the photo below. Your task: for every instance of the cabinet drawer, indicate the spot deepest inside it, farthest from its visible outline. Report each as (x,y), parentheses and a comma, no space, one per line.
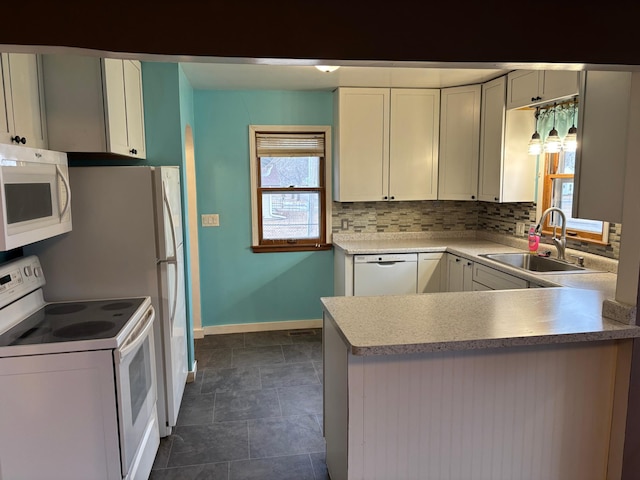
(495,279)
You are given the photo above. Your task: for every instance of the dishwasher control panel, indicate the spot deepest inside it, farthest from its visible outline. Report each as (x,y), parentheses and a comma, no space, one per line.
(386,257)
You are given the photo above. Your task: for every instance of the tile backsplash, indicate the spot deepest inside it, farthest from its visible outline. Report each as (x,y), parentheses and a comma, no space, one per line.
(446,215)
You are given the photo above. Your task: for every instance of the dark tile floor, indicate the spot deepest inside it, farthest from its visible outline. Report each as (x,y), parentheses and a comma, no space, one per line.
(253,412)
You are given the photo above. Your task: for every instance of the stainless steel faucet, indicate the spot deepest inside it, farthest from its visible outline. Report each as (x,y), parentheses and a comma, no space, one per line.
(560,243)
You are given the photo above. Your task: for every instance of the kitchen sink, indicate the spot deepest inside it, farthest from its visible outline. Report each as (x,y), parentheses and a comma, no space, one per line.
(535,263)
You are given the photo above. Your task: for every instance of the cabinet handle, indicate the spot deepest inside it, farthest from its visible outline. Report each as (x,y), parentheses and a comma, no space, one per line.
(133,151)
(535,99)
(18,139)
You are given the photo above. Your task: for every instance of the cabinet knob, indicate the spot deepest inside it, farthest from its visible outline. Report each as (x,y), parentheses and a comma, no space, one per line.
(385,198)
(392,197)
(457,260)
(496,198)
(133,151)
(19,139)
(469,264)
(473,197)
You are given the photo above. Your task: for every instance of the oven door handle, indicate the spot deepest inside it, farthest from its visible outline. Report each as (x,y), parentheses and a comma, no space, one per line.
(137,336)
(67,187)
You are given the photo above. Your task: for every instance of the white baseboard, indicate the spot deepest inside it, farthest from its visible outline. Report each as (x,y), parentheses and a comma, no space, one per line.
(260,327)
(191,375)
(198,333)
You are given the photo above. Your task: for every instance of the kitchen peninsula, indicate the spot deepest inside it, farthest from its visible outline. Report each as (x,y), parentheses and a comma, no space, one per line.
(526,383)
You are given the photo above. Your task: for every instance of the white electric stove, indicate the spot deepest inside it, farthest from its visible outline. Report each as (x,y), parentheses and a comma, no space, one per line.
(77,383)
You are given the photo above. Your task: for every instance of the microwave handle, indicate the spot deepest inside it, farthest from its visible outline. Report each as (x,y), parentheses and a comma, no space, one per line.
(67,187)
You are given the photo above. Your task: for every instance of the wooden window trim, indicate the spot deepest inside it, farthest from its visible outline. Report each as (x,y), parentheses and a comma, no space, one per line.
(322,242)
(547,229)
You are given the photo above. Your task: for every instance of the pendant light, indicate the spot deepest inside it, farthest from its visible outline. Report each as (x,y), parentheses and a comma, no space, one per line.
(553,144)
(570,143)
(535,145)
(327,68)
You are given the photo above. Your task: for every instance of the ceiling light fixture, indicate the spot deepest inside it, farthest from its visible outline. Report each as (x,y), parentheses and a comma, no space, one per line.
(553,144)
(327,68)
(535,145)
(570,143)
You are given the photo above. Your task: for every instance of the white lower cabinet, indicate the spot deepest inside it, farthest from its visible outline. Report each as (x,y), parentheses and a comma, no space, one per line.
(459,274)
(435,272)
(493,279)
(431,272)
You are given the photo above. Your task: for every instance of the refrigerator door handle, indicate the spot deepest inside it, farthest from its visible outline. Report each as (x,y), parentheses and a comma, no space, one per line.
(173,259)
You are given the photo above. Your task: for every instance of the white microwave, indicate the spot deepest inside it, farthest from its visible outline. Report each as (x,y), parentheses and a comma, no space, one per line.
(35,198)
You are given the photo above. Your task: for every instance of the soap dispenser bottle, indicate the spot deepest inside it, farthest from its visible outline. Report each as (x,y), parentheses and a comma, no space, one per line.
(534,240)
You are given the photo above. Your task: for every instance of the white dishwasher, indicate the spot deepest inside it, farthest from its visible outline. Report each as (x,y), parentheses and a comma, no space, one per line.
(387,274)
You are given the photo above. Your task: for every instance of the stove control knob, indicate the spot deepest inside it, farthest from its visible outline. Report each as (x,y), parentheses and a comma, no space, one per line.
(28,271)
(37,271)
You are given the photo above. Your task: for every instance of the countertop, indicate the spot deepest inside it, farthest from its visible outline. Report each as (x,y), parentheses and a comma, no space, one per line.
(569,310)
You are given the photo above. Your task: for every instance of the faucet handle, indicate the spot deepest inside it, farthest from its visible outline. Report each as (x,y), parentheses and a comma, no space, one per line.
(579,260)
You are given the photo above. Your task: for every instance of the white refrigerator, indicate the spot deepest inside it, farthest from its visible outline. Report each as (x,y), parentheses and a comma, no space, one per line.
(127,241)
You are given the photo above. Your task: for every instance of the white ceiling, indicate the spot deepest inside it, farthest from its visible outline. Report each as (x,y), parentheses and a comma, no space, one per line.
(221,76)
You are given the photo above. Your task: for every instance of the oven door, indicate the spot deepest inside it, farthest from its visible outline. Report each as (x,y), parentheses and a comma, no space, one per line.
(35,201)
(136,389)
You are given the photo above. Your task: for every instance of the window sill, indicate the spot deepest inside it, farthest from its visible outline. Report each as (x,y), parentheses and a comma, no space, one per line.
(548,234)
(291,248)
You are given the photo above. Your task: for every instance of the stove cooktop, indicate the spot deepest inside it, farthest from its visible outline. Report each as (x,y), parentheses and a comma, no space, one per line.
(72,321)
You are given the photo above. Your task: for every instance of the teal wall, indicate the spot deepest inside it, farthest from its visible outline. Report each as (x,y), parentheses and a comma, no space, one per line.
(166,99)
(237,285)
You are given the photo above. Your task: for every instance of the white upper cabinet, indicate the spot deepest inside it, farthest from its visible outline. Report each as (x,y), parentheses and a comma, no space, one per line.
(361,146)
(506,172)
(386,144)
(603,131)
(413,144)
(459,143)
(530,87)
(21,101)
(94,105)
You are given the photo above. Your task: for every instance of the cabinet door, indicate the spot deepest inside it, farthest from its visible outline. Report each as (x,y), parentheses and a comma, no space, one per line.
(523,88)
(25,81)
(135,108)
(455,274)
(467,275)
(6,108)
(413,144)
(558,84)
(492,140)
(429,272)
(362,144)
(116,106)
(602,145)
(459,143)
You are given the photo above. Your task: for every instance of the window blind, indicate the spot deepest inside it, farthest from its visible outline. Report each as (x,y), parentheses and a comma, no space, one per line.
(289,145)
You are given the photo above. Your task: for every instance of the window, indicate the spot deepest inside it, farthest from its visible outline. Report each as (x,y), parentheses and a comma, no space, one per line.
(289,177)
(559,169)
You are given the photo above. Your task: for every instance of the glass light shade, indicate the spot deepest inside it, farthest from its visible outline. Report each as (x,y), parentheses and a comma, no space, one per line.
(553,144)
(570,143)
(535,145)
(327,68)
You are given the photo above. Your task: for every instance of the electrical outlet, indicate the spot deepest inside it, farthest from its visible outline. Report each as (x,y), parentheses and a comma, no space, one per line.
(210,220)
(344,224)
(520,229)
